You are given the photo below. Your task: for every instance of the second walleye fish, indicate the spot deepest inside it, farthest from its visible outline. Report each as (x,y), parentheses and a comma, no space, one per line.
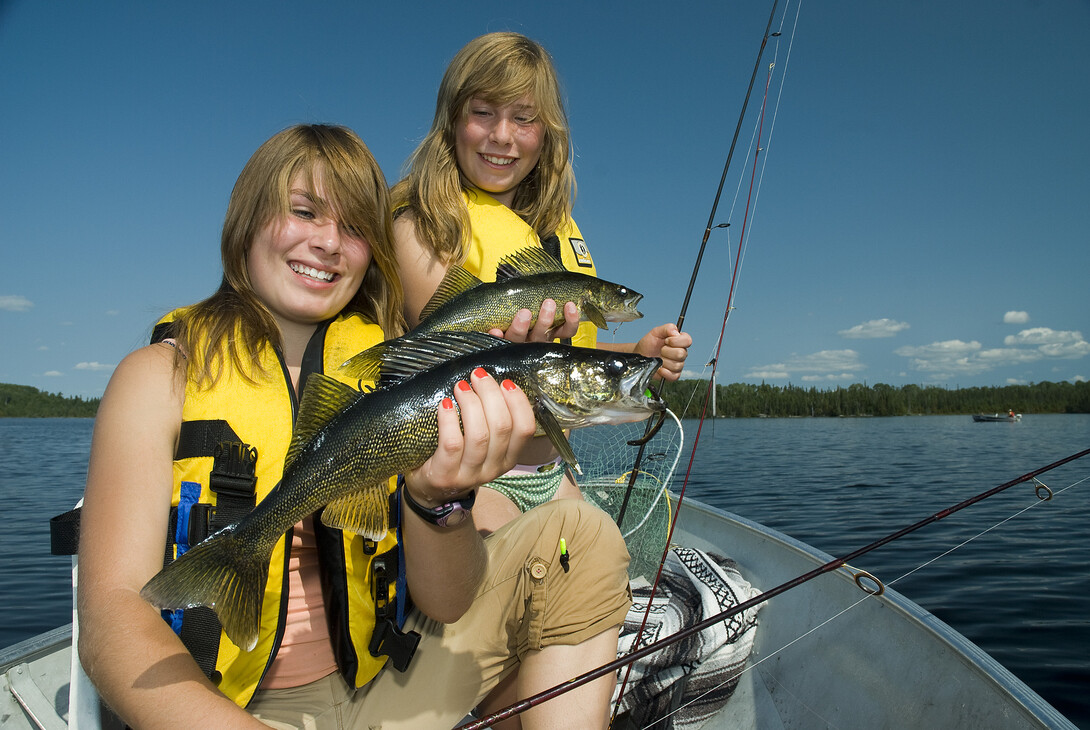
(347,444)
(524,280)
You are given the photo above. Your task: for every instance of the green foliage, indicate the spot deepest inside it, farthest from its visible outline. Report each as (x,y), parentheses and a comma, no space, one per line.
(22,401)
(745,400)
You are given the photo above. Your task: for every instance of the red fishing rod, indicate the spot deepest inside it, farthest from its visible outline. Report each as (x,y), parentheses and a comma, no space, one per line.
(681,319)
(828,567)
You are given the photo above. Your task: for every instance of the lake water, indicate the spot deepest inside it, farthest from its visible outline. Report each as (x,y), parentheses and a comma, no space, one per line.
(1020,591)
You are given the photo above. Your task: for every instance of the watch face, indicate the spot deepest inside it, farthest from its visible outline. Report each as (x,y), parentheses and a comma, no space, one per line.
(456,516)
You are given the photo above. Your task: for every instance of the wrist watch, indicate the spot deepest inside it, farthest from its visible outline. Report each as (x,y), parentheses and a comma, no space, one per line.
(447,514)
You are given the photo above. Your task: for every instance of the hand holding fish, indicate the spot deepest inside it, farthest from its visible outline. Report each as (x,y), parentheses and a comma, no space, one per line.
(525,328)
(497,421)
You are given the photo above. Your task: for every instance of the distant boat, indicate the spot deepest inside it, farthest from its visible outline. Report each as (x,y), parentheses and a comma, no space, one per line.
(1010,417)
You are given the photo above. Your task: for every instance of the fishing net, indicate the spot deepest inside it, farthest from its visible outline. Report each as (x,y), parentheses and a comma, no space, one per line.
(607,460)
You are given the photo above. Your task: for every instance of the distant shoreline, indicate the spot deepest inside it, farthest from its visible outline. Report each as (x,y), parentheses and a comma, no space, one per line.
(23,401)
(737,400)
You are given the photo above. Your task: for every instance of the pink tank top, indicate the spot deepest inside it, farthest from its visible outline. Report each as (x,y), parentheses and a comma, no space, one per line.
(305,652)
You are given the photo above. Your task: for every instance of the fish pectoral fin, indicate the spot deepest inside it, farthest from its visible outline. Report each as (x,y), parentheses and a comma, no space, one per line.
(366,512)
(592,313)
(526,261)
(456,281)
(553,430)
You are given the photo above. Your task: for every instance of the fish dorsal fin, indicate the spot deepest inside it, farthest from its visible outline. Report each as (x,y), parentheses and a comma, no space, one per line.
(456,281)
(526,261)
(553,430)
(396,360)
(365,512)
(323,398)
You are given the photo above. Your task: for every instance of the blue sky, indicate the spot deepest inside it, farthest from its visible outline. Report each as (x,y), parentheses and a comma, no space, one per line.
(922,216)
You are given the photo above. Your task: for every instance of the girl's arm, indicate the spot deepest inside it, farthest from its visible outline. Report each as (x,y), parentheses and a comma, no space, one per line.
(137,663)
(444,565)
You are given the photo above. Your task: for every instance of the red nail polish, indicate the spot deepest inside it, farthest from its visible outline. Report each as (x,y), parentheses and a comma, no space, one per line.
(480,373)
(508,385)
(463,385)
(447,404)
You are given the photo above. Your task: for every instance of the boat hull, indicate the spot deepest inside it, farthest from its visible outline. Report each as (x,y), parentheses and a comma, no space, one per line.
(825,653)
(886,662)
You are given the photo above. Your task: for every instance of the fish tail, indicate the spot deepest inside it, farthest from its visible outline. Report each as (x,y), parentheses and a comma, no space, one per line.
(221,573)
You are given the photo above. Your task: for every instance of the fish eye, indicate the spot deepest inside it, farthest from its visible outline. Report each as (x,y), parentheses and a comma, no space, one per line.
(623,291)
(615,367)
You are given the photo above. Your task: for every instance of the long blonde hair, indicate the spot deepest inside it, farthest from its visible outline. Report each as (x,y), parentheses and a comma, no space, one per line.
(499,68)
(233,324)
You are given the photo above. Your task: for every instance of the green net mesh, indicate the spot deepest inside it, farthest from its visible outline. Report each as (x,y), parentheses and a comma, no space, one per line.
(607,459)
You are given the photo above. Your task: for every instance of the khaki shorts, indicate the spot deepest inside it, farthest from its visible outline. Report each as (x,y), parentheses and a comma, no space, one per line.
(526,602)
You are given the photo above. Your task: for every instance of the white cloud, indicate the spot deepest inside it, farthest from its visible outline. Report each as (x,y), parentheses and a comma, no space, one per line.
(819,365)
(1042,336)
(874,328)
(1008,356)
(1078,379)
(1016,318)
(945,358)
(94,366)
(954,357)
(768,374)
(1052,343)
(695,375)
(1069,351)
(15,303)
(53,374)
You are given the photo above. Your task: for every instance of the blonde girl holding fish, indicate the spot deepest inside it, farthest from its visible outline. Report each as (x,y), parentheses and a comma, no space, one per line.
(494,175)
(309,279)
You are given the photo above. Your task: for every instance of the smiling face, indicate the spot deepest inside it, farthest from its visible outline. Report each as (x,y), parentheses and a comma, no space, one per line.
(304,265)
(497,146)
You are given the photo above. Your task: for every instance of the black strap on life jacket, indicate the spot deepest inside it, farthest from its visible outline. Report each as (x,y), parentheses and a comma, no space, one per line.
(233,480)
(195,438)
(551,244)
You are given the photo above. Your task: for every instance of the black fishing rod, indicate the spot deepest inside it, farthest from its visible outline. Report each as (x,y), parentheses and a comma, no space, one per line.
(703,245)
(828,567)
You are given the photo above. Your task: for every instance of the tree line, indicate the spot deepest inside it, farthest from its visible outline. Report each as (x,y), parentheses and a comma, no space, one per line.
(746,400)
(737,400)
(22,401)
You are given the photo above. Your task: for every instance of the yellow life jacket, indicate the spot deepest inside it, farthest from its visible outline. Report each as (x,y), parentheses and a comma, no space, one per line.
(497,231)
(261,415)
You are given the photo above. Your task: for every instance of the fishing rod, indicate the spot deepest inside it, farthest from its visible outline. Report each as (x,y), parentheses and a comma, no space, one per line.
(681,318)
(704,243)
(1042,493)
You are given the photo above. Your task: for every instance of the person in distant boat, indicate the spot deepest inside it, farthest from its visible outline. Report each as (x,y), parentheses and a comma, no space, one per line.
(494,175)
(195,428)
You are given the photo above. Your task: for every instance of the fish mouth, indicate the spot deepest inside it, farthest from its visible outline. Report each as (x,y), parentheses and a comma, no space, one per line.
(635,386)
(627,312)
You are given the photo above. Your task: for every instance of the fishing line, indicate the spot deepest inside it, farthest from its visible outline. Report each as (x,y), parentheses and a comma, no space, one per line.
(867,595)
(681,318)
(639,455)
(756,601)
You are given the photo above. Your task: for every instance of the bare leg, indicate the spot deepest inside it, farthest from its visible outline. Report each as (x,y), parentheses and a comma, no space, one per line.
(585,707)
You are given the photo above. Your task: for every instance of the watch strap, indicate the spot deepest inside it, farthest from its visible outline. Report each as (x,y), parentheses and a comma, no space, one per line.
(447,514)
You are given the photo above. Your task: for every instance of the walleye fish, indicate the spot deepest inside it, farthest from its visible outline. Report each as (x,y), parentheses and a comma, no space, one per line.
(524,280)
(348,443)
